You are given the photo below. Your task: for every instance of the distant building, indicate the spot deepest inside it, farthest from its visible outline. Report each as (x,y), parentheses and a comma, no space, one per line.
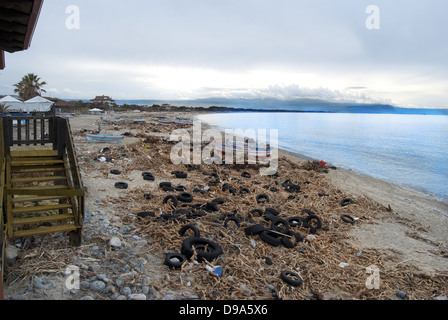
(103,100)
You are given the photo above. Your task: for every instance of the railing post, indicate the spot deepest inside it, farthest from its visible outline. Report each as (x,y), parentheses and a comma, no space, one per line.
(7,131)
(61,136)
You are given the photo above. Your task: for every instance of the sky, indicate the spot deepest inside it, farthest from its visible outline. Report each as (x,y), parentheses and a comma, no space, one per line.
(378,51)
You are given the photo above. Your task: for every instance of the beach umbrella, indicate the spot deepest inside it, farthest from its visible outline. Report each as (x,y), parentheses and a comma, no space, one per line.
(95,110)
(38,104)
(12,103)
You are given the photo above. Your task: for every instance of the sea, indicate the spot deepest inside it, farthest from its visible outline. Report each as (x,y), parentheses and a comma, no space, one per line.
(404,149)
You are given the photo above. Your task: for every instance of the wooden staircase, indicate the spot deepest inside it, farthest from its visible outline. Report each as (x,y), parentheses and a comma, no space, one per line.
(40,185)
(34,202)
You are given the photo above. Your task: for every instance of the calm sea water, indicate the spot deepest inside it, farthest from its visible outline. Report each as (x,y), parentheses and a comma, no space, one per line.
(408,150)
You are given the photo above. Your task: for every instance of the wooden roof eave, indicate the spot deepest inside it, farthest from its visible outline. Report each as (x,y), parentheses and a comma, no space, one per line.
(22,39)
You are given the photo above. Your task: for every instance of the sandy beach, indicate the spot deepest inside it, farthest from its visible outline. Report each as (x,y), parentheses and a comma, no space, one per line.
(401,231)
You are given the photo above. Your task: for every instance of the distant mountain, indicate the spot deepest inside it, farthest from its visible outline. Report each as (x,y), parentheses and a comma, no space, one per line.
(295,105)
(316,105)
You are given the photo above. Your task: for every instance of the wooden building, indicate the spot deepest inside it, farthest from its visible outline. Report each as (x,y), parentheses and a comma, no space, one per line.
(103,100)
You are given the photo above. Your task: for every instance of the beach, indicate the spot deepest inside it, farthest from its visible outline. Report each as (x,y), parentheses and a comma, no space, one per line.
(401,232)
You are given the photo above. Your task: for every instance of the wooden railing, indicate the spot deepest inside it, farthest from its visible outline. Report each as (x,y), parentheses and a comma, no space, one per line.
(27,130)
(65,147)
(2,221)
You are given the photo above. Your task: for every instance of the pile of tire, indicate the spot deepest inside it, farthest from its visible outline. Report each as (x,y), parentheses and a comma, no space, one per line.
(280,231)
(277,234)
(200,248)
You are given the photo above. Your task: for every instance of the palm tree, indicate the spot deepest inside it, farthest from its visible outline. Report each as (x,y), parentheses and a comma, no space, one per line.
(3,107)
(29,87)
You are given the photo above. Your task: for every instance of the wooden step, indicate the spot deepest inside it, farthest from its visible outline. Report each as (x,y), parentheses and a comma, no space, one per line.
(41,208)
(45,192)
(42,187)
(41,219)
(44,230)
(36,198)
(34,157)
(36,162)
(28,169)
(34,153)
(37,179)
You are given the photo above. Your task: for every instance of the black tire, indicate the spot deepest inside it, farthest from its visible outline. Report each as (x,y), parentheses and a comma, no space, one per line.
(213,249)
(244,190)
(254,229)
(211,207)
(287,243)
(192,227)
(270,238)
(226,186)
(295,221)
(147,196)
(289,278)
(307,211)
(234,219)
(115,171)
(313,217)
(145,214)
(165,184)
(167,188)
(262,198)
(175,264)
(346,202)
(270,217)
(180,188)
(181,175)
(348,219)
(185,197)
(272,211)
(275,225)
(218,200)
(148,176)
(121,185)
(172,198)
(245,174)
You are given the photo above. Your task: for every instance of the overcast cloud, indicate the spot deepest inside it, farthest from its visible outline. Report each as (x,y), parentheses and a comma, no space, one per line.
(177,49)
